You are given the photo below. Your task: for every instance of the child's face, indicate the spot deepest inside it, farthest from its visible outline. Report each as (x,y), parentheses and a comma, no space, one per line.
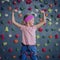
(31,22)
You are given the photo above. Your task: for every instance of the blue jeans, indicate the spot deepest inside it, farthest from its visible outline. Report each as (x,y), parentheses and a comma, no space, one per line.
(29,50)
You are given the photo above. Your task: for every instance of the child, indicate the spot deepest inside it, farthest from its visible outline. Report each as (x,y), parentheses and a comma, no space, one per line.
(28,35)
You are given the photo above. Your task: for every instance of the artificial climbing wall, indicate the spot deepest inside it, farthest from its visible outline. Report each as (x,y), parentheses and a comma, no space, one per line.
(47,36)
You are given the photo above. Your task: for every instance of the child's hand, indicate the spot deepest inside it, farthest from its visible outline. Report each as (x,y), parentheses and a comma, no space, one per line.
(42,11)
(14,10)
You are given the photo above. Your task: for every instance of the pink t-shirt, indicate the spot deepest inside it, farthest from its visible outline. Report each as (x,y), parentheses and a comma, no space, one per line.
(28,35)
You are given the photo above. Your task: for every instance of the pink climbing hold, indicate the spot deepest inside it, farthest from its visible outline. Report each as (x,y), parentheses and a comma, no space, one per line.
(9,22)
(10,50)
(28,1)
(18,1)
(30,8)
(2,36)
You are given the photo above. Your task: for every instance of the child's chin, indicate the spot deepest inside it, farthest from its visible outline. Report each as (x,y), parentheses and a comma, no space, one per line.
(32,24)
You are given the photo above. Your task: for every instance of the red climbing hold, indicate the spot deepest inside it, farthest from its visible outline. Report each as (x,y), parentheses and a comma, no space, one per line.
(40,29)
(58,16)
(2,36)
(56,36)
(17,35)
(14,2)
(10,50)
(43,49)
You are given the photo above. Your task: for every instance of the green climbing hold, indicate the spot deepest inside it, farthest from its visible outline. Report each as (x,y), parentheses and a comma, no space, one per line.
(49,10)
(4,43)
(46,44)
(36,7)
(6,29)
(40,0)
(49,23)
(2,22)
(0,14)
(37,36)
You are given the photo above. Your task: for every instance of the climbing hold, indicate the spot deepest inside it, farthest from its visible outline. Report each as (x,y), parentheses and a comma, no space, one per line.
(6,29)
(49,10)
(14,56)
(43,36)
(2,8)
(56,44)
(2,22)
(15,41)
(30,8)
(20,15)
(56,36)
(10,50)
(4,43)
(56,23)
(19,11)
(17,49)
(41,1)
(22,8)
(10,35)
(56,10)
(58,16)
(40,29)
(37,36)
(19,1)
(46,30)
(6,15)
(59,29)
(14,2)
(38,45)
(49,23)
(51,5)
(0,14)
(47,57)
(43,49)
(2,36)
(9,22)
(17,35)
(46,44)
(13,29)
(50,36)
(28,1)
(9,8)
(36,7)
(48,41)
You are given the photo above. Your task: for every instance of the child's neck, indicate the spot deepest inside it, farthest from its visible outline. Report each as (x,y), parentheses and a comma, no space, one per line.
(28,25)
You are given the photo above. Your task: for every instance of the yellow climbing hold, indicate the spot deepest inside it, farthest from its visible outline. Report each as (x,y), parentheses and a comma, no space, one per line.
(6,29)
(37,36)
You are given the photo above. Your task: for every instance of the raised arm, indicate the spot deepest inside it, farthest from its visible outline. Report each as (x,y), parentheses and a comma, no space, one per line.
(43,20)
(13,20)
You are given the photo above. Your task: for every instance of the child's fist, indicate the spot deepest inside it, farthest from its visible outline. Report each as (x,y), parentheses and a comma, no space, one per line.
(15,10)
(42,11)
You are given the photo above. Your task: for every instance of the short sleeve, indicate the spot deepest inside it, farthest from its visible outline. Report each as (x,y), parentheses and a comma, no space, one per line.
(35,28)
(22,27)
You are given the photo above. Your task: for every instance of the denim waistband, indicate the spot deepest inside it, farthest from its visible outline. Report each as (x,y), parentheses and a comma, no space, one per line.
(27,45)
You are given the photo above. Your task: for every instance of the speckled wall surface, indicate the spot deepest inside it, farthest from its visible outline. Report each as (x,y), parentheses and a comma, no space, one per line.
(47,36)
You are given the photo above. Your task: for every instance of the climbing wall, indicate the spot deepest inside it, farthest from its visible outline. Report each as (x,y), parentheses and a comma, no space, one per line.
(47,36)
